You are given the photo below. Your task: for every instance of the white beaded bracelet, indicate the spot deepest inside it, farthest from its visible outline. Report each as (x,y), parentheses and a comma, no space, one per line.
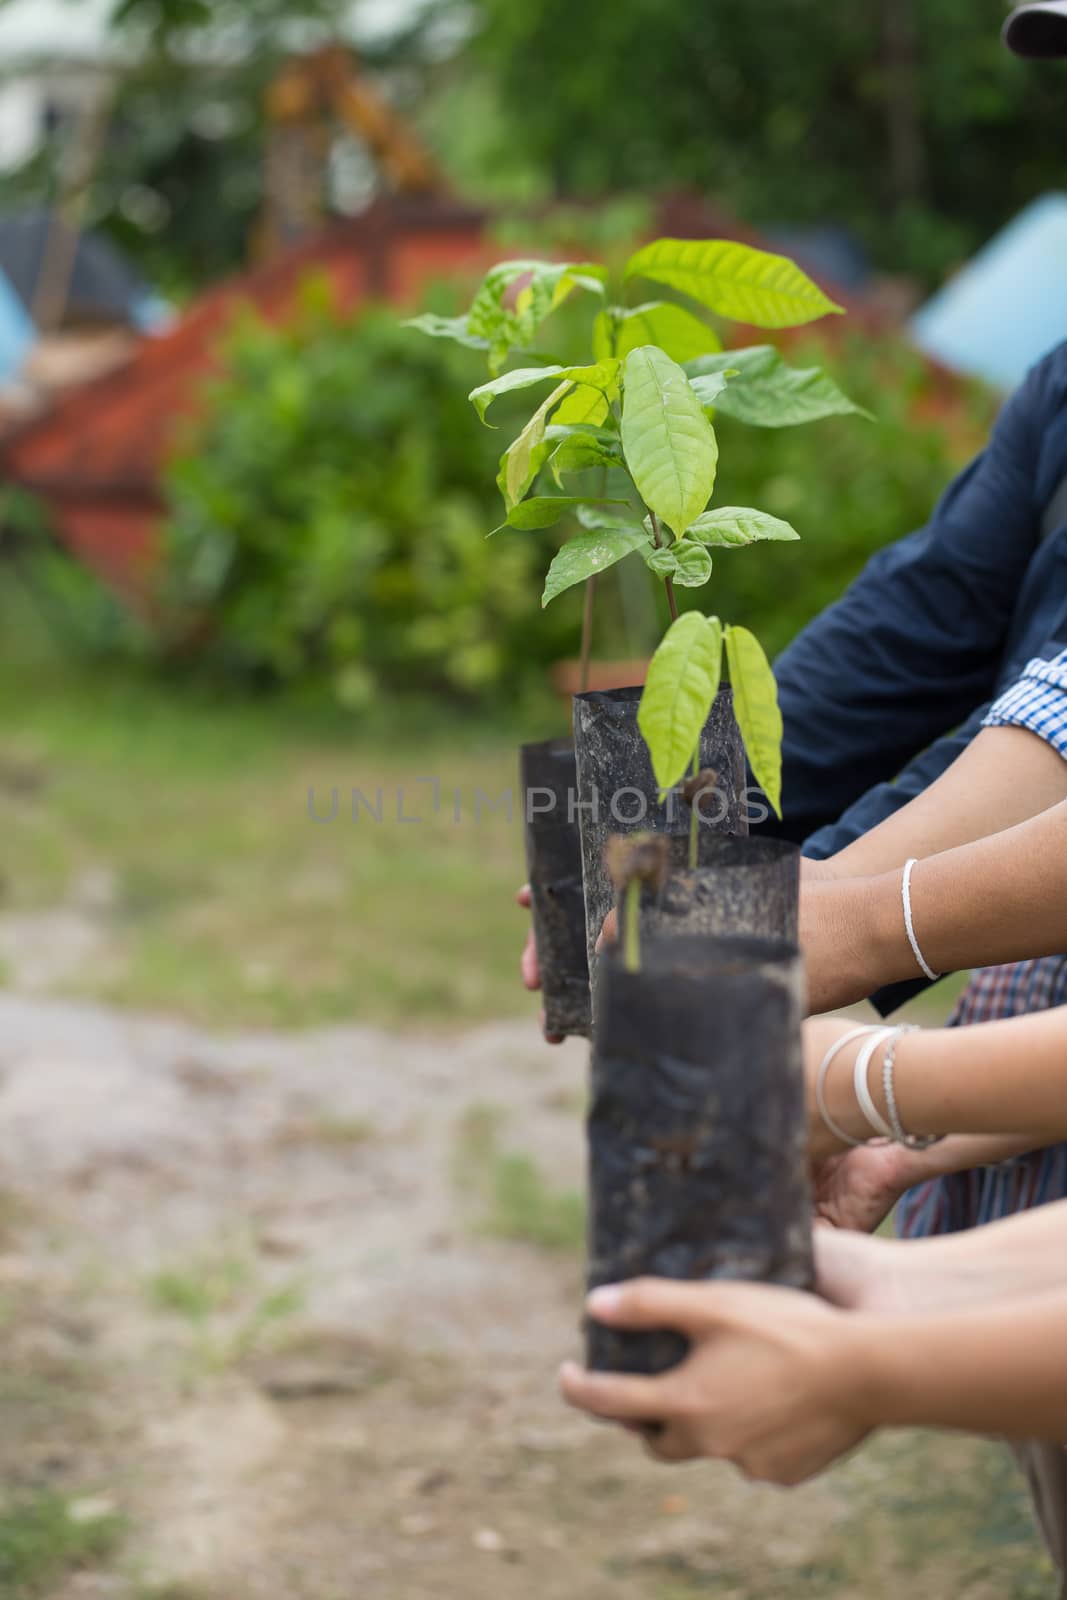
(905,894)
(910,1141)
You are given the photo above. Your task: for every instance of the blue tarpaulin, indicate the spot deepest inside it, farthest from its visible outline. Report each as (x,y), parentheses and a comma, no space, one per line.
(1008,307)
(17,332)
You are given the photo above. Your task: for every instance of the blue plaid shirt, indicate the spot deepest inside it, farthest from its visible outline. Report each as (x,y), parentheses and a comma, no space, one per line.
(1037,702)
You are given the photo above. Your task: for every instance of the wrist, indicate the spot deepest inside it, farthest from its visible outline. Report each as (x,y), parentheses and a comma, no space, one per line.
(865,1377)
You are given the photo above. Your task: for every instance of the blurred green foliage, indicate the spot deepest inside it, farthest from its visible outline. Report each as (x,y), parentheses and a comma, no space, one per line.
(328,518)
(906,120)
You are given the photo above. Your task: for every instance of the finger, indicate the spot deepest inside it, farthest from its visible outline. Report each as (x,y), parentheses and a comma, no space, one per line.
(528,967)
(694,1308)
(609,932)
(523,896)
(551,1038)
(614,1395)
(670,1443)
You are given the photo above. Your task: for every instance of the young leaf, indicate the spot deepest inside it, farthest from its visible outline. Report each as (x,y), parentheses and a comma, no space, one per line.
(662,562)
(683,680)
(524,458)
(584,405)
(756,710)
(454,328)
(688,565)
(708,388)
(693,564)
(516,296)
(589,553)
(733,280)
(669,443)
(601,376)
(674,329)
(579,451)
(768,393)
(541,511)
(730,527)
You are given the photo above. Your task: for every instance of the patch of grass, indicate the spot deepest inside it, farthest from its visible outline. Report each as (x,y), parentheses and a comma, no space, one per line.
(515,1200)
(201,1290)
(229,1309)
(41,1541)
(232,905)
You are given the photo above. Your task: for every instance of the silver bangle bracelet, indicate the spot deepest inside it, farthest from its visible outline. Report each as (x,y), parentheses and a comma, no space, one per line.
(820,1082)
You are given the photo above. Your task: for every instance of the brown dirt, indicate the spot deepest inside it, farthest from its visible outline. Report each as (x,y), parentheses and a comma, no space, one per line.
(248,1297)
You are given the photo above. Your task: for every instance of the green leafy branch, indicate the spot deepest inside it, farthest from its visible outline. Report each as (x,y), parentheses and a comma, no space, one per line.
(644,410)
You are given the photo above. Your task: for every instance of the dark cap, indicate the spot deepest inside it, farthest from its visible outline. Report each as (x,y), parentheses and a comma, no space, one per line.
(1038,31)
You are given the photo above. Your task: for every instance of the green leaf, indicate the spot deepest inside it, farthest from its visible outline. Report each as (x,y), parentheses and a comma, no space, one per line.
(600,376)
(756,710)
(733,280)
(675,330)
(604,334)
(708,389)
(730,527)
(693,564)
(541,511)
(516,296)
(683,680)
(768,393)
(584,405)
(669,443)
(593,515)
(661,561)
(687,565)
(454,328)
(580,451)
(524,458)
(590,553)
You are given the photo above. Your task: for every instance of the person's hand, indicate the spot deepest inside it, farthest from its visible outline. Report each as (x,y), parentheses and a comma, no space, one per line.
(609,932)
(859,1189)
(529,970)
(774,1382)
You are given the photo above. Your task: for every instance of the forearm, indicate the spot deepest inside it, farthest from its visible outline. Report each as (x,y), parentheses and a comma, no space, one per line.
(1001,1370)
(998,899)
(1005,776)
(1001,1078)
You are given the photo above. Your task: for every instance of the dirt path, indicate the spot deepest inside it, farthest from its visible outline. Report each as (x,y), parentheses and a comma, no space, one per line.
(287,1311)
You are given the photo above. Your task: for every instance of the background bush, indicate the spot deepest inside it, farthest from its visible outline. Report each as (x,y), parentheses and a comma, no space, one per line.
(328,517)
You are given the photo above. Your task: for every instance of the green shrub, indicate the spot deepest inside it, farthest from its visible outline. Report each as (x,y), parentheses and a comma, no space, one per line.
(328,517)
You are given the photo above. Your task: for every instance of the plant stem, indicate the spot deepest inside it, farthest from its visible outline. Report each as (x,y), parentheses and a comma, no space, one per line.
(587,608)
(632,929)
(694,817)
(667,582)
(587,633)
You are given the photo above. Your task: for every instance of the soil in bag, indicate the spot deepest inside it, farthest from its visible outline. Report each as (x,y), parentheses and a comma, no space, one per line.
(549,784)
(697,1134)
(742,886)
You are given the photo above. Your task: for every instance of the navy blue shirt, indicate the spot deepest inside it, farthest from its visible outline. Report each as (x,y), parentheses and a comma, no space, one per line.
(883,690)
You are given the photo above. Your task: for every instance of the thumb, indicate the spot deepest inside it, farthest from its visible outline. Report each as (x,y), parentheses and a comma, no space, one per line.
(693,1308)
